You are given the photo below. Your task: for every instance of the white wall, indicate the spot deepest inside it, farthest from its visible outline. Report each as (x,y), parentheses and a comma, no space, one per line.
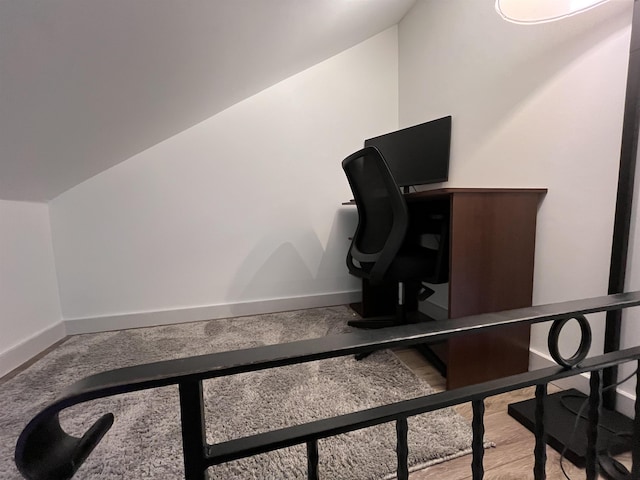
(532,106)
(30,318)
(244,207)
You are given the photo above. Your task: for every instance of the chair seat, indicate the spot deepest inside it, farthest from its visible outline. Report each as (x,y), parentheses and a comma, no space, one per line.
(412,264)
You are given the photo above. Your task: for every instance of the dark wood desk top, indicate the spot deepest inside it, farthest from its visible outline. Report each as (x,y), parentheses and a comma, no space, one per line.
(443,192)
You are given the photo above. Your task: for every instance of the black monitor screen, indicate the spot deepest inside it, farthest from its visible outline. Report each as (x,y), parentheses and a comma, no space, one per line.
(417,155)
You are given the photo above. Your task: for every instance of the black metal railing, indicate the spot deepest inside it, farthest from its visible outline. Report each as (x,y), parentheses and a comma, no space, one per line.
(45,451)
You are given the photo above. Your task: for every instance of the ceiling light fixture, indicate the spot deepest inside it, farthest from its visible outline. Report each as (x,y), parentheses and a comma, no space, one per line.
(542,11)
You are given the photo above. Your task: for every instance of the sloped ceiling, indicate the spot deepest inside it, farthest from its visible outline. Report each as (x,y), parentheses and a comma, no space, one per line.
(86,84)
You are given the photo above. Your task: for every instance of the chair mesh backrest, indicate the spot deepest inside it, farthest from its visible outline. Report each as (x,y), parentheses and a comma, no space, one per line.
(381,206)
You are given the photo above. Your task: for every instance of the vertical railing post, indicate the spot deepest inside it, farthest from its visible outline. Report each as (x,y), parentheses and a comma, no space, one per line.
(595,399)
(540,449)
(477,444)
(635,443)
(194,440)
(312,460)
(402,448)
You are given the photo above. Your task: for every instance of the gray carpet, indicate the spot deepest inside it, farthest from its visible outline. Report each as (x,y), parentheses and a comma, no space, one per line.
(145,443)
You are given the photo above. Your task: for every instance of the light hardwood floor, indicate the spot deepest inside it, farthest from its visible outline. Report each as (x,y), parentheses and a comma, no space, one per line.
(512,457)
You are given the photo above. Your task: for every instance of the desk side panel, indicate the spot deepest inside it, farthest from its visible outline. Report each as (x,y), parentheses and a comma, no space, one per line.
(491,269)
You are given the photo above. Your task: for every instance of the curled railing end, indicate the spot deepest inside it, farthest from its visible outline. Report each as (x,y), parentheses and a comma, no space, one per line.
(45,451)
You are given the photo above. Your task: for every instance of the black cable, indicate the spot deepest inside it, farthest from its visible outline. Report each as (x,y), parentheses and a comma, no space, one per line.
(579,416)
(573,433)
(575,412)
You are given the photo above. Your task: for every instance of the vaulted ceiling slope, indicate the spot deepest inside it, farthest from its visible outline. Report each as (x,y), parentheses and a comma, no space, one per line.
(86,84)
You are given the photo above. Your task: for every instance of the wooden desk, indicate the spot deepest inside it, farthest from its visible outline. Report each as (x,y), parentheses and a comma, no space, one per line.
(491,256)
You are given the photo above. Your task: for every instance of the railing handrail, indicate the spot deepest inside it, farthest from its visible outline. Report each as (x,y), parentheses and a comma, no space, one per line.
(202,367)
(263,442)
(188,372)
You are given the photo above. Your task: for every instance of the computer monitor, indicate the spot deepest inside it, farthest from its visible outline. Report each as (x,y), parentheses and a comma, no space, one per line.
(417,155)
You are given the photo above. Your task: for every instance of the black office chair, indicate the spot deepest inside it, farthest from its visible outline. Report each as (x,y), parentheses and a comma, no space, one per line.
(379,250)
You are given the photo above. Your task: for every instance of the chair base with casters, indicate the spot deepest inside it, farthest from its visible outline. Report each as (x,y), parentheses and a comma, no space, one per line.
(401,316)
(407,271)
(416,259)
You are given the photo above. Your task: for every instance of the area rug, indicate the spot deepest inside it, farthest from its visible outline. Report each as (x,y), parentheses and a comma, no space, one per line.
(145,442)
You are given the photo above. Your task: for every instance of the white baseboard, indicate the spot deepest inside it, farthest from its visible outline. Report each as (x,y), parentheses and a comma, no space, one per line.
(209,312)
(27,349)
(625,402)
